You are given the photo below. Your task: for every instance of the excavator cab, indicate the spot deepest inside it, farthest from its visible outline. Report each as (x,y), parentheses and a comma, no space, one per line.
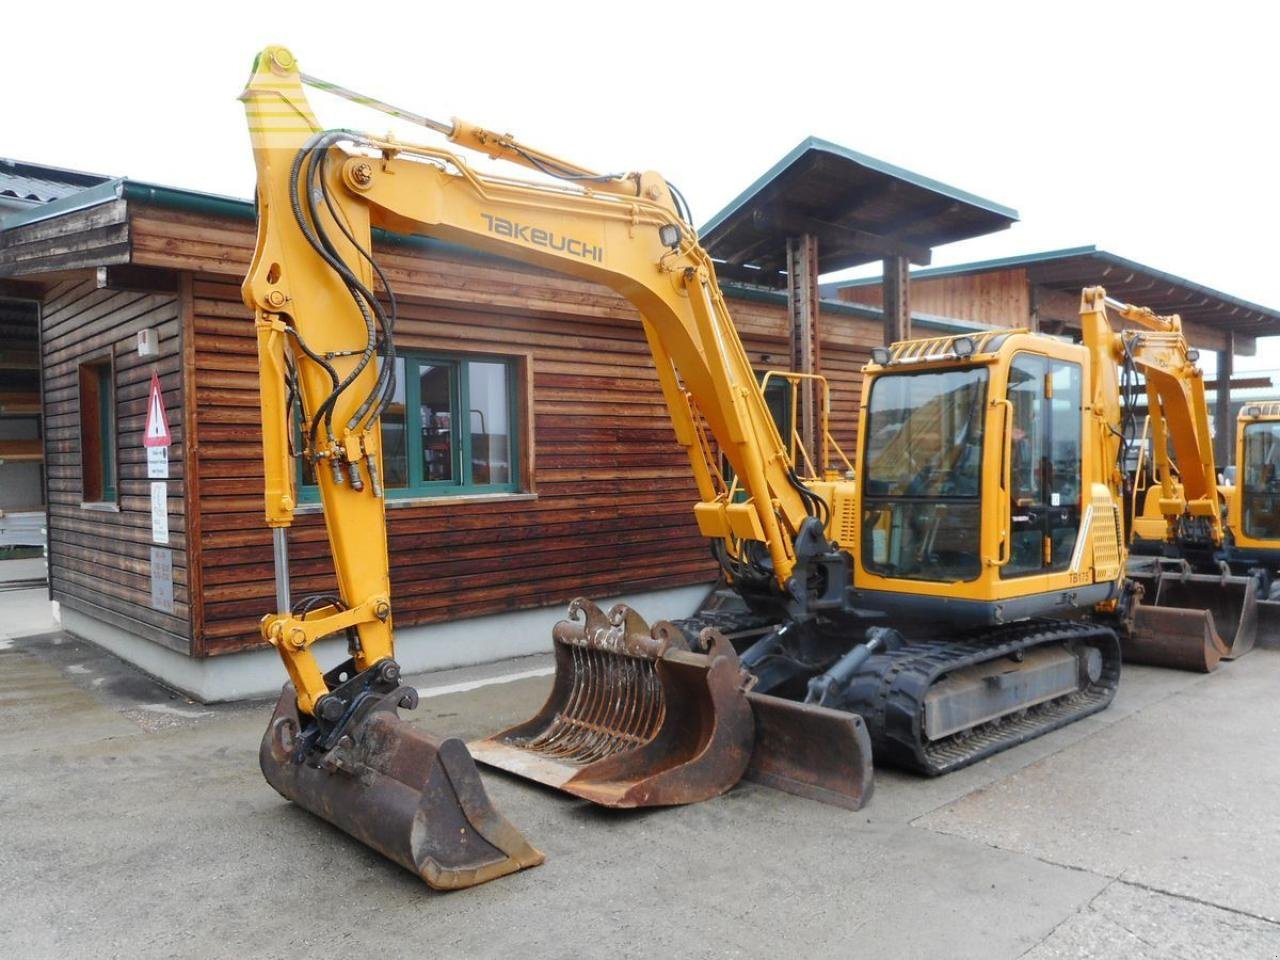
(1253,510)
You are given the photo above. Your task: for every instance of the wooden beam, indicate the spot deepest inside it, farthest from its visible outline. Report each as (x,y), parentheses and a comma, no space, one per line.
(897,305)
(21,451)
(772,279)
(140,279)
(1224,424)
(805,334)
(835,234)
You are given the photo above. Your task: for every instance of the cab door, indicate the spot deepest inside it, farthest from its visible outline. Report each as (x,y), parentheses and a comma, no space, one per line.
(1044,515)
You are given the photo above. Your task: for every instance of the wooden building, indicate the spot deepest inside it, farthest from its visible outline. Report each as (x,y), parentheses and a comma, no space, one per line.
(595,500)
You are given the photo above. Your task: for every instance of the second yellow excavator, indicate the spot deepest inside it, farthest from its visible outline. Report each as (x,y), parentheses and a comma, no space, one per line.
(962,590)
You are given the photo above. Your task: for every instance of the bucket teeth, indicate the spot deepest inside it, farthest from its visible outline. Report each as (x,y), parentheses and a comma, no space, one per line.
(634,717)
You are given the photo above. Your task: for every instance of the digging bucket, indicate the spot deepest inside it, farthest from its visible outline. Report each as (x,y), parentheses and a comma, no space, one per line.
(415,798)
(634,718)
(1190,621)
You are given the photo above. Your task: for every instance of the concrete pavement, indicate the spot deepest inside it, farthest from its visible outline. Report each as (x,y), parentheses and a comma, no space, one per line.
(135,824)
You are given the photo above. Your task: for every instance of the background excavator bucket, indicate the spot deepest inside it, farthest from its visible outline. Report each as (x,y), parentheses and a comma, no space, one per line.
(1190,621)
(634,718)
(415,798)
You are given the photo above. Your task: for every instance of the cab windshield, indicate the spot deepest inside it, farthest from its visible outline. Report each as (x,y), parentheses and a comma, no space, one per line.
(1261,494)
(922,475)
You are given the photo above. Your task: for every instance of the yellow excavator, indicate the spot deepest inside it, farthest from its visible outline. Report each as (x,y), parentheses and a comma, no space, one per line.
(957,591)
(644,719)
(1244,545)
(1253,510)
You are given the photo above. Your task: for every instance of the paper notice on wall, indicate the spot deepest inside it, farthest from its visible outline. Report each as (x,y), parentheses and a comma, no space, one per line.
(158,463)
(159,511)
(162,579)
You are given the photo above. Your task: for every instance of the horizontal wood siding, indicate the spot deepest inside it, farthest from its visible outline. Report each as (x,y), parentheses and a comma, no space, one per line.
(100,561)
(1000,298)
(614,491)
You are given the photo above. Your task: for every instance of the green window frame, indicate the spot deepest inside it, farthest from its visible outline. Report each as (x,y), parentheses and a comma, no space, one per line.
(466,474)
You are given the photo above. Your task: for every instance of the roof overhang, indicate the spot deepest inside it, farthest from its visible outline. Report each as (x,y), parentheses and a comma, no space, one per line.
(859,208)
(1072,269)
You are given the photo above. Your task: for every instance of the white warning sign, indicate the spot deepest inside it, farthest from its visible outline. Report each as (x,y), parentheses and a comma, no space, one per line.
(156,433)
(159,511)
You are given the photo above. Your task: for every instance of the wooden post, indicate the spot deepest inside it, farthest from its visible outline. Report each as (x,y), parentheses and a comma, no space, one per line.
(897,305)
(802,311)
(1223,423)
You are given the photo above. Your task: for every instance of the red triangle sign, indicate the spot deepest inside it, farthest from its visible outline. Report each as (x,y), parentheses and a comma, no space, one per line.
(156,433)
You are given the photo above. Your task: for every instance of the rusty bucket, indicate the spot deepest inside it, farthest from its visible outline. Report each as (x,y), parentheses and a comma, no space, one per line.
(635,718)
(415,798)
(1190,621)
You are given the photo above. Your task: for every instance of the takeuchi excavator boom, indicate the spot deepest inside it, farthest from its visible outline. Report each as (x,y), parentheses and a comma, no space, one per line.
(640,714)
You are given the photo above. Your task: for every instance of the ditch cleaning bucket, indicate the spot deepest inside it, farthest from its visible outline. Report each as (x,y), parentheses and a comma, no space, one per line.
(634,718)
(415,798)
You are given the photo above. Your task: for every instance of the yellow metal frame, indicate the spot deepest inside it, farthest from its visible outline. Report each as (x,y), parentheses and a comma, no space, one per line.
(796,452)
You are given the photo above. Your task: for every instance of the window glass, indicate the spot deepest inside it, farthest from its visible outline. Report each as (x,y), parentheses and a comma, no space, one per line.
(97,432)
(1261,469)
(924,434)
(1045,467)
(921,514)
(436,418)
(1063,467)
(395,435)
(450,427)
(489,416)
(1026,468)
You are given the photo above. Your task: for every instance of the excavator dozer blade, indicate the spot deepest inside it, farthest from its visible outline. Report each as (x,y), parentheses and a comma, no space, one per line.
(1269,618)
(1190,621)
(634,718)
(415,798)
(811,751)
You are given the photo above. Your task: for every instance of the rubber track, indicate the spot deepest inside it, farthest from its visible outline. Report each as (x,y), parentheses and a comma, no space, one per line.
(889,693)
(731,623)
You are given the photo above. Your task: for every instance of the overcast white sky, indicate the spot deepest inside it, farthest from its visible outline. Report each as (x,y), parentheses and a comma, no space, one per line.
(1149,129)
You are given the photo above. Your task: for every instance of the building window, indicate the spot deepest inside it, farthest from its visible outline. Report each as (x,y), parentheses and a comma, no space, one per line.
(98,431)
(451,428)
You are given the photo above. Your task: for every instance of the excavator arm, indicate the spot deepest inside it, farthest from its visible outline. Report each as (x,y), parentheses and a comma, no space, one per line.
(322,326)
(1175,400)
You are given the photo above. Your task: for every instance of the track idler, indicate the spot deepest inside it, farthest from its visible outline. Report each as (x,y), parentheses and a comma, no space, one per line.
(415,798)
(1191,621)
(635,718)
